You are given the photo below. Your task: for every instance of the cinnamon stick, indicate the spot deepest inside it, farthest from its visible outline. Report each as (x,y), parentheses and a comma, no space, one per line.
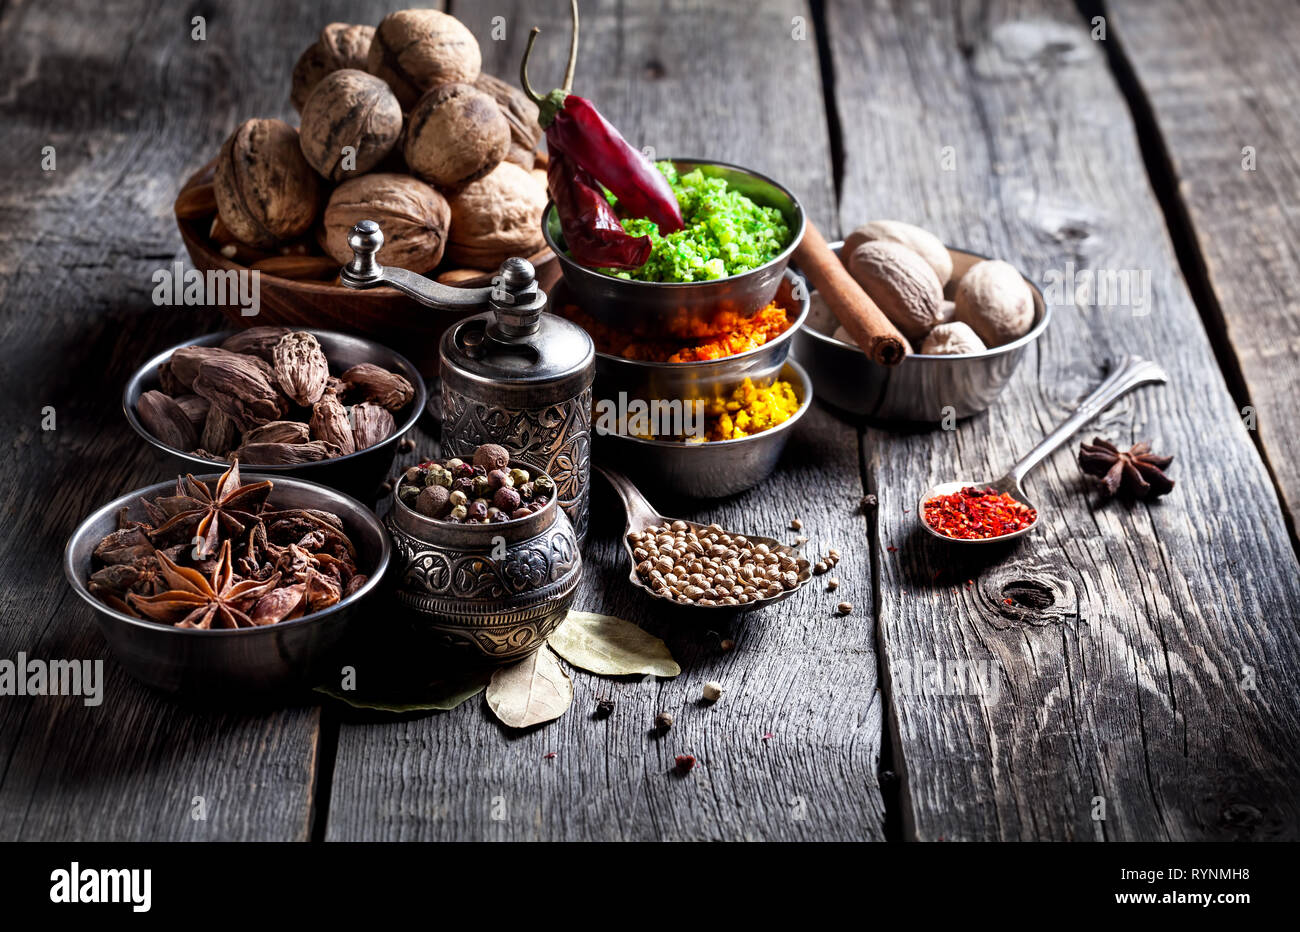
(852,307)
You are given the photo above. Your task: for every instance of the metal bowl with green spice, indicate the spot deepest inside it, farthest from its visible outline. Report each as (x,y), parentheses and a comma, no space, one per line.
(726,233)
(762,228)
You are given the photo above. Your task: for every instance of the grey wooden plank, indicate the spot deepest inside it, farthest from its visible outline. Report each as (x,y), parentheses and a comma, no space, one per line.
(1136,685)
(798,671)
(132,105)
(1220,80)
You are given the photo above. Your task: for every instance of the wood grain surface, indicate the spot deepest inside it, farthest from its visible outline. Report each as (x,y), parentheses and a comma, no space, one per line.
(1144,657)
(1220,82)
(132,105)
(799,672)
(1140,683)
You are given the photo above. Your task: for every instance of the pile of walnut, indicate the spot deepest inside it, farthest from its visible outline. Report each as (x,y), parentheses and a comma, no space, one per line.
(908,272)
(266,397)
(398,125)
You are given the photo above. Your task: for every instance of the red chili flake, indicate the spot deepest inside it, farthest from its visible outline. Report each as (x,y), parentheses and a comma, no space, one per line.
(892,549)
(1009,601)
(977,514)
(549,755)
(685,762)
(938,573)
(768,736)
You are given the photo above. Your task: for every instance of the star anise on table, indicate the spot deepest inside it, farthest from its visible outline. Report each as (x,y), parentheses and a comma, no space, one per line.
(1137,470)
(195,601)
(199,514)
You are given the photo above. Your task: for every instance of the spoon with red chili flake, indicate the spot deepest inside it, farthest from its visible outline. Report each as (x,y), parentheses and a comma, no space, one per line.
(967,512)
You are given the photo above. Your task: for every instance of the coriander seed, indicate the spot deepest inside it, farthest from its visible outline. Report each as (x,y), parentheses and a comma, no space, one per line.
(845,607)
(712,691)
(663,721)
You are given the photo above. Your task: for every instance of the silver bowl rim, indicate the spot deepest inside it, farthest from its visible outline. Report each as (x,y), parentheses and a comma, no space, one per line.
(138,378)
(785,336)
(372,582)
(931,359)
(805,402)
(783,256)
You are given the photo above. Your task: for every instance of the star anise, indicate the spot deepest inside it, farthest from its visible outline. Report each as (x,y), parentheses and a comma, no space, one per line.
(194,601)
(201,514)
(1137,470)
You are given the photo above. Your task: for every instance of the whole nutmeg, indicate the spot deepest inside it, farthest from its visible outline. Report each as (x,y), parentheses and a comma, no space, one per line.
(412,215)
(349,109)
(266,192)
(496,217)
(901,282)
(922,242)
(995,301)
(415,50)
(952,339)
(456,134)
(341,45)
(521,113)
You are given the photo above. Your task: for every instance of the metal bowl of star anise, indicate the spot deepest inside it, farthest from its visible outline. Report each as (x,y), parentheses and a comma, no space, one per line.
(227,584)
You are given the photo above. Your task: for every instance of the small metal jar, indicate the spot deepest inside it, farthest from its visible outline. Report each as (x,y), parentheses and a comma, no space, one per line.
(496,591)
(511,375)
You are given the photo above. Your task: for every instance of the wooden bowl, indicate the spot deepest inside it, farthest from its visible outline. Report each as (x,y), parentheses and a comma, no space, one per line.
(381,314)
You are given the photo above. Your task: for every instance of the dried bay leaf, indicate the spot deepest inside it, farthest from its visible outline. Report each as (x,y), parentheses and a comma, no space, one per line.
(532,691)
(612,646)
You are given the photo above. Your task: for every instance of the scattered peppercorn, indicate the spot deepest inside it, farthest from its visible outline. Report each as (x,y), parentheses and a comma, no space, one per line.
(844,608)
(796,524)
(820,567)
(663,721)
(406,445)
(832,584)
(685,762)
(727,644)
(867,504)
(712,691)
(604,708)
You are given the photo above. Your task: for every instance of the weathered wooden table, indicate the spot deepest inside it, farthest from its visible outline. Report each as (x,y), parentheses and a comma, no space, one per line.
(1147,665)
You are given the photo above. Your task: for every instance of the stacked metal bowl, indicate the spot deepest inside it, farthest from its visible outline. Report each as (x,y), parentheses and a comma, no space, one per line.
(716,468)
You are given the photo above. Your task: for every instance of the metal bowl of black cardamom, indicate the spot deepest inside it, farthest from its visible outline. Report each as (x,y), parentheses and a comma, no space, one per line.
(231,664)
(212,413)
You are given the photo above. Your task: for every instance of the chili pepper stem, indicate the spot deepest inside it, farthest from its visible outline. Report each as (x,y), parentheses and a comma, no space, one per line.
(569,69)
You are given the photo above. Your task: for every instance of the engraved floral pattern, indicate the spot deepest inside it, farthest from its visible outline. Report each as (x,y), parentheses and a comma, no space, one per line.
(556,437)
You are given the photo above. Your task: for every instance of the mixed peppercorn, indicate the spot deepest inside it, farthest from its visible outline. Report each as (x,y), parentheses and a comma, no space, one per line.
(487,490)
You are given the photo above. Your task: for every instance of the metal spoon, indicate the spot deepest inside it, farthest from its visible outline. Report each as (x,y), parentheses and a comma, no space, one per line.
(641,515)
(1131,372)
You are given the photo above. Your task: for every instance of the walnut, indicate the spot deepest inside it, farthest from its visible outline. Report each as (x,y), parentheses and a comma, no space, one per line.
(266,192)
(413,216)
(520,113)
(456,134)
(340,46)
(497,217)
(349,108)
(415,50)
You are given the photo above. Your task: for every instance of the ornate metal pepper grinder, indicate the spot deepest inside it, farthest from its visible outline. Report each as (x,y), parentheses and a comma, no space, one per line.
(511,375)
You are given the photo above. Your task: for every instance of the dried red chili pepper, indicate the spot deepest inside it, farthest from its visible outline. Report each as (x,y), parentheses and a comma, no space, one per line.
(978,514)
(576,131)
(591,230)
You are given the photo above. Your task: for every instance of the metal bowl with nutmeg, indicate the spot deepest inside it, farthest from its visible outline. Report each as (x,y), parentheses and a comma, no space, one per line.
(317,405)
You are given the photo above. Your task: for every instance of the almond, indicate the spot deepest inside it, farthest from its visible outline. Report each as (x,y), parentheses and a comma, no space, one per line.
(298,268)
